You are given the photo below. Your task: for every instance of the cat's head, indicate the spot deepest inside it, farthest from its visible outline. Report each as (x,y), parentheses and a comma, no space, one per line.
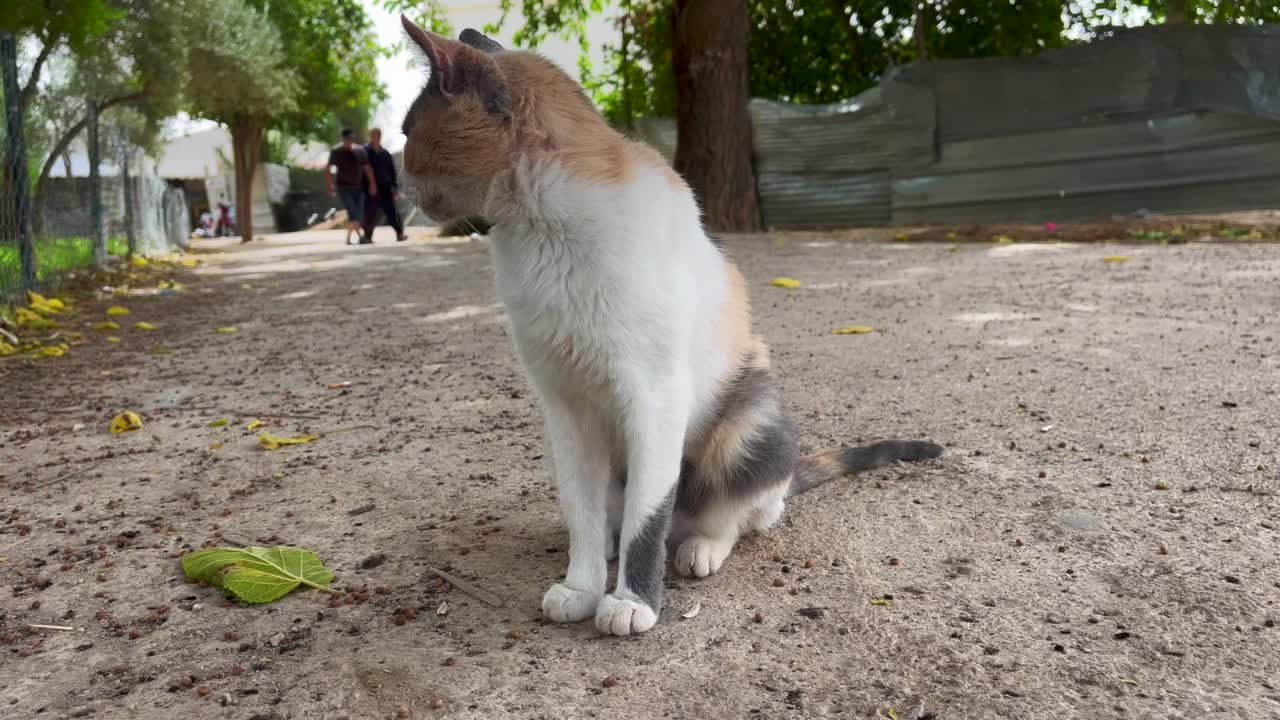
(460,131)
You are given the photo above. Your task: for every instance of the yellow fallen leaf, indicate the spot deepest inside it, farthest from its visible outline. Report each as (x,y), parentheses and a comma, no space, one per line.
(951,236)
(1002,240)
(28,319)
(1116,258)
(900,237)
(785,282)
(125,422)
(271,442)
(220,422)
(113,339)
(143,325)
(215,446)
(139,261)
(6,349)
(228,330)
(44,305)
(188,262)
(853,330)
(254,424)
(107,325)
(161,350)
(117,310)
(53,351)
(879,601)
(893,714)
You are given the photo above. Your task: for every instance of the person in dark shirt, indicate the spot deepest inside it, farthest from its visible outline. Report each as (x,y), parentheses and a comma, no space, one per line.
(350,164)
(386,189)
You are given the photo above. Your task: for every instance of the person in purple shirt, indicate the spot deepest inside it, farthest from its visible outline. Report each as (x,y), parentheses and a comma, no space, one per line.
(387,189)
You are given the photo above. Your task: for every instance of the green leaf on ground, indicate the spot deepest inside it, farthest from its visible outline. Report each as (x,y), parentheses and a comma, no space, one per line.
(258,574)
(272,442)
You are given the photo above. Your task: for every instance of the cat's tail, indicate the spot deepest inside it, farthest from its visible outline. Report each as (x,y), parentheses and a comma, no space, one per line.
(814,470)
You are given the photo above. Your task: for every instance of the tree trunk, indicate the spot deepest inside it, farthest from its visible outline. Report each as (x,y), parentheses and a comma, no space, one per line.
(97,232)
(18,179)
(918,32)
(713,129)
(1175,12)
(246,149)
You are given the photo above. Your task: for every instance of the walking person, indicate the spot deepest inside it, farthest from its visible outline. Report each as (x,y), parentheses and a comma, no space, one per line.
(350,164)
(386,190)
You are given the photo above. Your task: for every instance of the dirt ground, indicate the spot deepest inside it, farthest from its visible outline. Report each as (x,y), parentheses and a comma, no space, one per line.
(1101,540)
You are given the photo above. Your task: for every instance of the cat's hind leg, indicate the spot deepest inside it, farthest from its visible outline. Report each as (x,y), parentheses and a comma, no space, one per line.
(741,468)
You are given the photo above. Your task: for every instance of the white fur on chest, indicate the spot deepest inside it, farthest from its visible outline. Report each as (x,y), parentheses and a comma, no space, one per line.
(610,282)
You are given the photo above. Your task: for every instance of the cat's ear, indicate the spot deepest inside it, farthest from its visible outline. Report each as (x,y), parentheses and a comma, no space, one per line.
(442,55)
(457,68)
(479,41)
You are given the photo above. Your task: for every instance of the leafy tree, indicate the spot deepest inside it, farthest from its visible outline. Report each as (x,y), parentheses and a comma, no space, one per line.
(245,81)
(332,50)
(1201,11)
(113,53)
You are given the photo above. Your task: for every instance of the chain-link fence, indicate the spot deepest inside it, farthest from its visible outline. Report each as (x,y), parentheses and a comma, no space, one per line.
(60,217)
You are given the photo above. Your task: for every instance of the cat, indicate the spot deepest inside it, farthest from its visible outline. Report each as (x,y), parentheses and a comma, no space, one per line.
(632,324)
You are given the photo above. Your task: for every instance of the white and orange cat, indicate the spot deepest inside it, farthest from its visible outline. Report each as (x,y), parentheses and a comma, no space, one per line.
(663,418)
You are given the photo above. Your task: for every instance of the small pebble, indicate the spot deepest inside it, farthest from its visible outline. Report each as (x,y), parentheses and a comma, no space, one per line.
(450,661)
(759,617)
(1163,549)
(436,703)
(809,564)
(202,691)
(779,582)
(1019,542)
(894,561)
(777,558)
(611,681)
(403,712)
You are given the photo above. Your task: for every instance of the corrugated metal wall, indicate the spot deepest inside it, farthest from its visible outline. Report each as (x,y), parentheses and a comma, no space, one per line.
(1162,119)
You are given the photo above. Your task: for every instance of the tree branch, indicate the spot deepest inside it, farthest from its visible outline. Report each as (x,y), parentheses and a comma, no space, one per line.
(61,147)
(29,89)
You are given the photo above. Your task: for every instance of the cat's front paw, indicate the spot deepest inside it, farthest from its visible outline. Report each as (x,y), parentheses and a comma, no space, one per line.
(623,616)
(565,605)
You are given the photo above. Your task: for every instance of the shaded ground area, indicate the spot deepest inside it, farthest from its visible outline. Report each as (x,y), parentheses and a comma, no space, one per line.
(1100,540)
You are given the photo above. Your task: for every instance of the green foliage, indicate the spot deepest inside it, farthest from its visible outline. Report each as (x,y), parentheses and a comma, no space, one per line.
(242,70)
(55,257)
(81,21)
(429,14)
(1243,12)
(258,574)
(330,47)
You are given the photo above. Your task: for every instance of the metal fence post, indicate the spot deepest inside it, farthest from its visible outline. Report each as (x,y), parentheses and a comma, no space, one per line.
(128,192)
(18,177)
(98,232)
